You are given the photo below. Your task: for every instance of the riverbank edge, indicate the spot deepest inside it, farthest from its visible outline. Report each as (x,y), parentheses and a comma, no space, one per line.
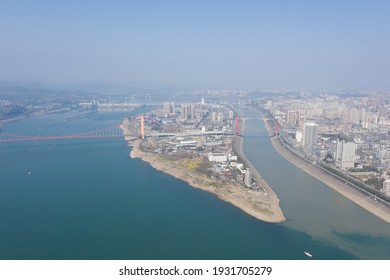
(364,201)
(276,217)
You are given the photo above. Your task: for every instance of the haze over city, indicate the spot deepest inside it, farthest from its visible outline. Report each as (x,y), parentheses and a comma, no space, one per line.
(236,44)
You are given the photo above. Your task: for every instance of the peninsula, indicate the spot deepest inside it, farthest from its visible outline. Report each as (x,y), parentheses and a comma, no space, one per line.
(263,205)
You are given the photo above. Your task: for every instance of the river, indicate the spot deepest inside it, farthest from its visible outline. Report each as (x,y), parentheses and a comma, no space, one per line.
(87,199)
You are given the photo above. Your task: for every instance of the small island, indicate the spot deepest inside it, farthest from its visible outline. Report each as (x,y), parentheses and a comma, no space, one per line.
(204,155)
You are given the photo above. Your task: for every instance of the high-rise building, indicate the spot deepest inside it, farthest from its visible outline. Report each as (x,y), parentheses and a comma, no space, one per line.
(231,114)
(184,112)
(310,134)
(345,154)
(386,187)
(169,108)
(248,177)
(292,118)
(142,127)
(166,107)
(213,116)
(187,111)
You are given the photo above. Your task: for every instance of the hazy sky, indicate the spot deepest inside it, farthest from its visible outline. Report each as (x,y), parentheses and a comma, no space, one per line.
(233,44)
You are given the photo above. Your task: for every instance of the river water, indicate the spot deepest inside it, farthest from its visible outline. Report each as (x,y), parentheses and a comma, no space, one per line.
(87,199)
(312,207)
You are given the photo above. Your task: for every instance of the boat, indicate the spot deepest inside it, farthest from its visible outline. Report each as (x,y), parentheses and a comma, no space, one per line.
(308,254)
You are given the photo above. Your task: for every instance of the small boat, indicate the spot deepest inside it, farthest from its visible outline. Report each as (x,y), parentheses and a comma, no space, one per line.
(308,254)
(29,173)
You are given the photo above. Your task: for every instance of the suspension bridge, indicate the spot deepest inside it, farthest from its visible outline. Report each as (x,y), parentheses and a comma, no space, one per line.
(133,124)
(109,132)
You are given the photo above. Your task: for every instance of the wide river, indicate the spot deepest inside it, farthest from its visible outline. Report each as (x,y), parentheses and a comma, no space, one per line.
(87,199)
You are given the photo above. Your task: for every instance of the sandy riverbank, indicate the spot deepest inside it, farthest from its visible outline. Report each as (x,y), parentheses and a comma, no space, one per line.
(261,205)
(366,201)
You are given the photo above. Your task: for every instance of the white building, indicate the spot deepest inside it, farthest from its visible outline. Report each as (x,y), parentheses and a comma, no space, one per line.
(345,154)
(299,136)
(310,134)
(232,158)
(217,157)
(240,166)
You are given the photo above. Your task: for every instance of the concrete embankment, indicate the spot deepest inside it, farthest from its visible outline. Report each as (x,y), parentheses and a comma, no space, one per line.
(367,201)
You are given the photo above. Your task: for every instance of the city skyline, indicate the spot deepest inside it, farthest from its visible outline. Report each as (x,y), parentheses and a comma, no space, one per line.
(251,44)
